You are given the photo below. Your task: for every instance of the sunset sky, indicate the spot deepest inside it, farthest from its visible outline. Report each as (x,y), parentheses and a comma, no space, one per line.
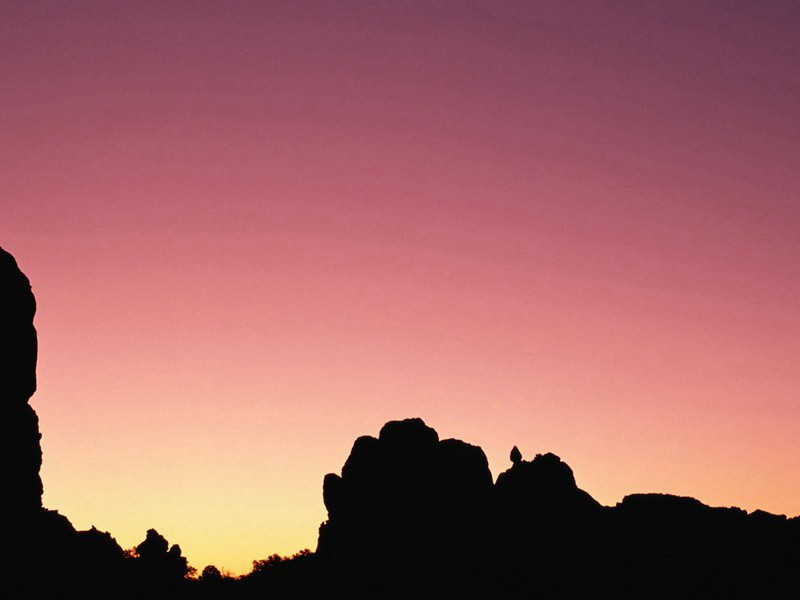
(258,230)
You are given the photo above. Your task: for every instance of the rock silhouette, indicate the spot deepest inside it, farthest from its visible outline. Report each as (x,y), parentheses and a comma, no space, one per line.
(534,533)
(42,555)
(406,484)
(515,455)
(545,484)
(399,508)
(410,516)
(19,425)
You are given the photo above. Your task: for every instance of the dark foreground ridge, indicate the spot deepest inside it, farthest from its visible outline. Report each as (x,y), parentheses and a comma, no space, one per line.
(410,516)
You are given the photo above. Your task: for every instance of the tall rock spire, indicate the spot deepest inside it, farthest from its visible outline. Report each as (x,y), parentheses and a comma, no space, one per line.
(20,450)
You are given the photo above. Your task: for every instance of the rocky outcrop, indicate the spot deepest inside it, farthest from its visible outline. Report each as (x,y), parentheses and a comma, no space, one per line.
(407,510)
(544,485)
(412,516)
(20,450)
(405,487)
(42,555)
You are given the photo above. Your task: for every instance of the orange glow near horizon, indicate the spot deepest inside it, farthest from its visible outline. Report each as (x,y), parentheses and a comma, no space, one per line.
(257,232)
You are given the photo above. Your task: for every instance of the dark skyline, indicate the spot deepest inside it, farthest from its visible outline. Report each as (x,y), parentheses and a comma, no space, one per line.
(256,230)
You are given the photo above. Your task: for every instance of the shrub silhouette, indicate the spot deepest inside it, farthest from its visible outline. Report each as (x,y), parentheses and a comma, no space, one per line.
(210,575)
(158,564)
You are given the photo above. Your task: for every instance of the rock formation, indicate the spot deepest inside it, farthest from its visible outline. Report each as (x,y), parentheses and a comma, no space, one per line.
(19,425)
(407,509)
(42,555)
(412,516)
(515,455)
(543,485)
(404,487)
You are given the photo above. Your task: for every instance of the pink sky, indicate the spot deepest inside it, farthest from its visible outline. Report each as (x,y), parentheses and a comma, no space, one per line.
(258,230)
